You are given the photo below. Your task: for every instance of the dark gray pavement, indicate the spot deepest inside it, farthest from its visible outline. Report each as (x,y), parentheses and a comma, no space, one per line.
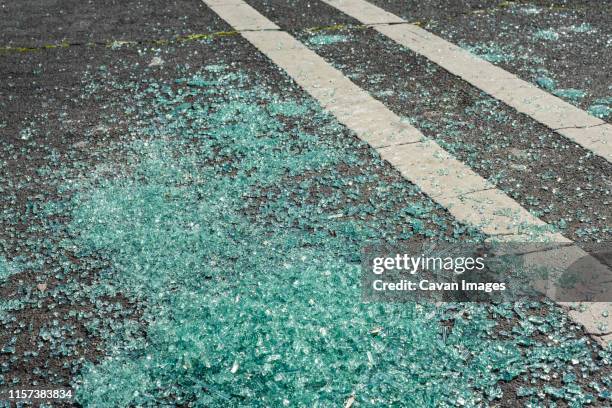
(32,23)
(71,116)
(554,178)
(567,42)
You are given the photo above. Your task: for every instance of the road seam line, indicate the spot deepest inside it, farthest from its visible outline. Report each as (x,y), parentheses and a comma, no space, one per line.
(553,112)
(470,198)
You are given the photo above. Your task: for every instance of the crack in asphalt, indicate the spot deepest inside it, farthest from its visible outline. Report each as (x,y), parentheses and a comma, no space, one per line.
(121,43)
(396,145)
(580,127)
(192,37)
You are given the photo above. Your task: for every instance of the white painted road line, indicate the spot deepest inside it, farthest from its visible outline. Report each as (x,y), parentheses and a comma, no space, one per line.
(466,195)
(575,124)
(241,16)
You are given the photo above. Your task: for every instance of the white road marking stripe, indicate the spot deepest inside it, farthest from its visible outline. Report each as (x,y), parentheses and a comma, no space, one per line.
(575,124)
(468,197)
(241,16)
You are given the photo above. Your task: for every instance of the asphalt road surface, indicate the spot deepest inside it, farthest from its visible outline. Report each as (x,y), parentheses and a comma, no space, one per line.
(186,189)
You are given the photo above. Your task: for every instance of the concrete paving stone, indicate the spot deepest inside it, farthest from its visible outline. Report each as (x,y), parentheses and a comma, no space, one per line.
(241,16)
(492,211)
(386,130)
(371,14)
(605,339)
(542,106)
(434,170)
(537,235)
(276,41)
(225,2)
(593,283)
(592,316)
(597,138)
